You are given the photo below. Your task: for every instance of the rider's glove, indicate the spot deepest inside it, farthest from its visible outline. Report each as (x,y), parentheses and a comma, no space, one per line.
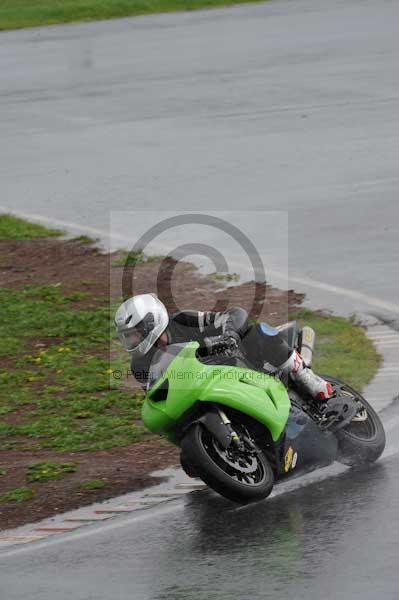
(227,342)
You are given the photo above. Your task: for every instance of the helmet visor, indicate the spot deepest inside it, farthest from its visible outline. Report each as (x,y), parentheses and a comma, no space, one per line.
(132,337)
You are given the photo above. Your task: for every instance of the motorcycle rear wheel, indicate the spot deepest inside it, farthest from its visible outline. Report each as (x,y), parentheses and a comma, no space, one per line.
(241,477)
(360,442)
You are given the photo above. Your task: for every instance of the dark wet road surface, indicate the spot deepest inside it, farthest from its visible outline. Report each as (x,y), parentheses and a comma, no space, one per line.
(335,537)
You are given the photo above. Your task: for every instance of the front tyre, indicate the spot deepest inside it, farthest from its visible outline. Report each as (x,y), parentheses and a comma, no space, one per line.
(239,475)
(363,440)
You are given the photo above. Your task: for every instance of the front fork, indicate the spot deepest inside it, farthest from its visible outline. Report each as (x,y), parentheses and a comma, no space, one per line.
(236,440)
(226,421)
(219,425)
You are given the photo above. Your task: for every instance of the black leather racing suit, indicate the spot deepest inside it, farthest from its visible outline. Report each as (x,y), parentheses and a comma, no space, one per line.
(260,343)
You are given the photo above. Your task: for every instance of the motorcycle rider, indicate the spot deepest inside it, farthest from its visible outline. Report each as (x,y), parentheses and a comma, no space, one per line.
(143,326)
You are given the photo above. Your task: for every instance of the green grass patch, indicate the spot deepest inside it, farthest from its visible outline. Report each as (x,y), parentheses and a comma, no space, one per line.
(49,471)
(342,349)
(225,276)
(18,495)
(70,401)
(131,259)
(84,240)
(2,472)
(88,282)
(13,228)
(93,484)
(76,296)
(15,14)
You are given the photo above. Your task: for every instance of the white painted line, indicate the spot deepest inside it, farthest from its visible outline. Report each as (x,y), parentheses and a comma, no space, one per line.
(59,223)
(93,519)
(386,338)
(21,539)
(388,376)
(383,334)
(142,502)
(307,281)
(54,530)
(394,346)
(389,348)
(341,291)
(167,494)
(117,509)
(192,486)
(81,533)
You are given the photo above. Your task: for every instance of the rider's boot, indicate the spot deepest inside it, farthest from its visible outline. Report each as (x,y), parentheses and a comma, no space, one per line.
(303,376)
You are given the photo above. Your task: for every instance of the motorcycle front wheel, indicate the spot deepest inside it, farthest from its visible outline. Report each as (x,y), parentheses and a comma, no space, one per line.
(240,475)
(363,440)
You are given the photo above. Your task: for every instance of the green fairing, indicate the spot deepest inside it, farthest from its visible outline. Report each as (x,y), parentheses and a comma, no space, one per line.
(256,394)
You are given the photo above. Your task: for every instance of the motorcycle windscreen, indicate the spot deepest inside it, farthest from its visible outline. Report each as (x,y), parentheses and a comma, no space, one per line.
(161,361)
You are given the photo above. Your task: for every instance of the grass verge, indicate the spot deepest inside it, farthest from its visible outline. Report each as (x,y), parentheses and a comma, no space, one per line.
(15,14)
(47,471)
(342,348)
(94,484)
(13,228)
(56,390)
(18,495)
(55,385)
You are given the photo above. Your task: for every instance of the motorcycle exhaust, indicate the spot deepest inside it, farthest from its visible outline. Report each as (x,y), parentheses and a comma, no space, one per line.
(308,339)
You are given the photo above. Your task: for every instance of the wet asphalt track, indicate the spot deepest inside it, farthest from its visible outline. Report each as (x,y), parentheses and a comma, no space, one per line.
(336,537)
(287,106)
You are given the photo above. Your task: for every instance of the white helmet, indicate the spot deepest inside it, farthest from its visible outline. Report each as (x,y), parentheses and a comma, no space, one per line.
(140,321)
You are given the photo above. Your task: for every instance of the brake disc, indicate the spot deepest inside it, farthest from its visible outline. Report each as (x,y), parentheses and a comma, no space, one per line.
(235,462)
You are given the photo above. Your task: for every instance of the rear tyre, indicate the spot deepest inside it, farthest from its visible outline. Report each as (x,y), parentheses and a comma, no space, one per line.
(240,476)
(363,440)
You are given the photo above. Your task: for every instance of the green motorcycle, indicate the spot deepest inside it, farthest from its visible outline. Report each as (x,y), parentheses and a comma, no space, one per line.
(241,431)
